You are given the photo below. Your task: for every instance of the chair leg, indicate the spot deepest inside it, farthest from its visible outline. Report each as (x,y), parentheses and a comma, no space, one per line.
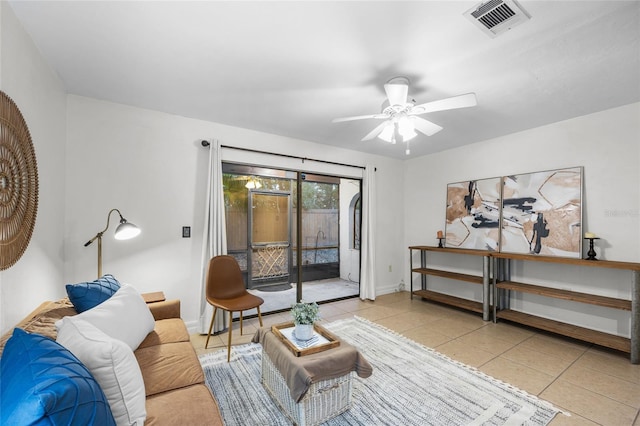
(259,316)
(213,318)
(241,323)
(230,329)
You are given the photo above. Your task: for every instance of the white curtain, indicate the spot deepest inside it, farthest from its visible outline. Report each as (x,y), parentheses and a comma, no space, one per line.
(367,268)
(214,237)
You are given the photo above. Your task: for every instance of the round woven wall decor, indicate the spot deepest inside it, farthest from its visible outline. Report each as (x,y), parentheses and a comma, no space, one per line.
(18,183)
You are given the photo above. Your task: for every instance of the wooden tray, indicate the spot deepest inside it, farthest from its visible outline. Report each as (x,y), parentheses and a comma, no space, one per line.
(333,340)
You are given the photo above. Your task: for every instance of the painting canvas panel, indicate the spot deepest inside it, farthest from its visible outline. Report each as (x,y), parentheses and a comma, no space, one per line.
(473,214)
(542,213)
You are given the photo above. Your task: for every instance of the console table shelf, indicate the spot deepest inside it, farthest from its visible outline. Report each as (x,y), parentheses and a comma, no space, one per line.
(448,274)
(609,302)
(612,264)
(470,305)
(603,339)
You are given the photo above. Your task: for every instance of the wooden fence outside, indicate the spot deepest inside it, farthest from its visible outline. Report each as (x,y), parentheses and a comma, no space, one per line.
(317,225)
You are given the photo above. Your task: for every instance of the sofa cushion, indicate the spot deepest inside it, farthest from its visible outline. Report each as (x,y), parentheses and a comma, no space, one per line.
(166,331)
(177,407)
(87,295)
(44,383)
(124,316)
(113,365)
(165,309)
(169,366)
(42,320)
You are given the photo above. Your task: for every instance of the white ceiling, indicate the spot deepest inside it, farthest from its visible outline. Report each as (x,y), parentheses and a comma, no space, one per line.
(290,67)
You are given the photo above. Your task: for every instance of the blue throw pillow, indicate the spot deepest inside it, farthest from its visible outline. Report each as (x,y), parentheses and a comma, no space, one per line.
(85,296)
(45,384)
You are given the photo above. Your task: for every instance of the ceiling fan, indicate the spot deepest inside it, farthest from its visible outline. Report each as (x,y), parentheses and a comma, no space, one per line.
(400,113)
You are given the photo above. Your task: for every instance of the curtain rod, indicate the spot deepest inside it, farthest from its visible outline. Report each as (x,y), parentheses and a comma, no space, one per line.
(207,143)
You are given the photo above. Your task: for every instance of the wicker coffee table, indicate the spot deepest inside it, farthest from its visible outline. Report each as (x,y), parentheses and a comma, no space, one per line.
(309,389)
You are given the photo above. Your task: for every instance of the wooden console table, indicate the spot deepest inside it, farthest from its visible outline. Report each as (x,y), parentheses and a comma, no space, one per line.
(630,345)
(482,279)
(494,262)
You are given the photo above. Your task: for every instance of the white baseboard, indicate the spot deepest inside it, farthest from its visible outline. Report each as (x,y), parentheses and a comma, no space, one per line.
(393,288)
(192,326)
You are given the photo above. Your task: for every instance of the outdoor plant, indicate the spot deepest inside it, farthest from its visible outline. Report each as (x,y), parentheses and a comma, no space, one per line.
(305,313)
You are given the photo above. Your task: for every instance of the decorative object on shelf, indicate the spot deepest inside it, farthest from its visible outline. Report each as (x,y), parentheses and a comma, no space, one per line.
(440,238)
(304,315)
(542,213)
(124,231)
(18,183)
(591,254)
(473,214)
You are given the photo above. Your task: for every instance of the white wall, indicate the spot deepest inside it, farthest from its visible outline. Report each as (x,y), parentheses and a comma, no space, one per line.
(349,257)
(606,144)
(151,166)
(39,95)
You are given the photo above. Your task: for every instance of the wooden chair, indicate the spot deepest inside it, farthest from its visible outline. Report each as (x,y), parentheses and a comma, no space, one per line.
(226,290)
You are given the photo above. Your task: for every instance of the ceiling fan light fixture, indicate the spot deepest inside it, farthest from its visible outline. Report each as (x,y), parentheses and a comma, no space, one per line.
(400,114)
(408,135)
(405,128)
(387,134)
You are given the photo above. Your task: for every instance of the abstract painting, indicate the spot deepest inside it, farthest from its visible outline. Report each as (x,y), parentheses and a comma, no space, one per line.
(542,213)
(473,214)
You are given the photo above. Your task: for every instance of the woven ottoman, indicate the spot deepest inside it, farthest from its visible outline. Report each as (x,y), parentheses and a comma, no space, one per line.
(324,399)
(313,387)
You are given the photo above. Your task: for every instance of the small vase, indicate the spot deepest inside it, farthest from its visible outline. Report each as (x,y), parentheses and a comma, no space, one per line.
(303,331)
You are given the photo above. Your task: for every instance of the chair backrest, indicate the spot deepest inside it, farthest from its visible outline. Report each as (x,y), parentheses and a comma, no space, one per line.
(224,278)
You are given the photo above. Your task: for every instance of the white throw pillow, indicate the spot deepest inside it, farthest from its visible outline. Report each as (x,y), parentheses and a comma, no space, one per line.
(124,316)
(112,364)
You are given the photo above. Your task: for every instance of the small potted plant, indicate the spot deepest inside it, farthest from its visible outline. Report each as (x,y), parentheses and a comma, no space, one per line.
(304,315)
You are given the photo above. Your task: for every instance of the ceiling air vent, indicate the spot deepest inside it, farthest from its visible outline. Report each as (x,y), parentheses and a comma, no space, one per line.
(494,17)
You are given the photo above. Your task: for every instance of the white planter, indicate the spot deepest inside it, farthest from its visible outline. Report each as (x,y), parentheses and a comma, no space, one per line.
(303,331)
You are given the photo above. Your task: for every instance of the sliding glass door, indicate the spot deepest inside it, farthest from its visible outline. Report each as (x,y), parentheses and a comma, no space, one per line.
(295,235)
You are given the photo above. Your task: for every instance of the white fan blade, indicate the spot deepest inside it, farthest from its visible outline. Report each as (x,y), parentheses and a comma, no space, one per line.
(425,126)
(461,101)
(396,93)
(375,132)
(359,117)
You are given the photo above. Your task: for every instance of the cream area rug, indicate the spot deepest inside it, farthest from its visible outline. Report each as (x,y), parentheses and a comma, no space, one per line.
(411,385)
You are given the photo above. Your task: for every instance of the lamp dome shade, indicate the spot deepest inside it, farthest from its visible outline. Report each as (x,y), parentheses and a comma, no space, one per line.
(126,231)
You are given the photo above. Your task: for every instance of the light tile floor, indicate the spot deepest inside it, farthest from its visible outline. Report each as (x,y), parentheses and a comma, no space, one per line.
(595,385)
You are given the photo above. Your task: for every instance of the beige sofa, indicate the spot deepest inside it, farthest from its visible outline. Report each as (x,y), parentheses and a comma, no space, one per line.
(173,378)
